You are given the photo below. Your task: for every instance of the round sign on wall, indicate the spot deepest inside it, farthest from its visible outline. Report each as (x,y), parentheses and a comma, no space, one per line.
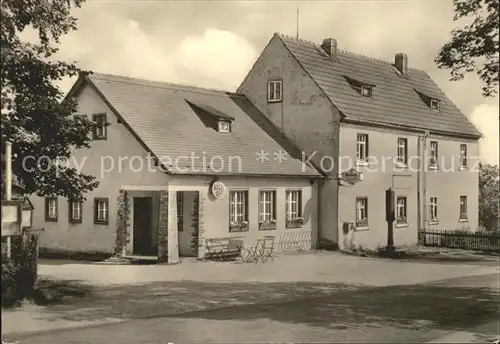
(218,189)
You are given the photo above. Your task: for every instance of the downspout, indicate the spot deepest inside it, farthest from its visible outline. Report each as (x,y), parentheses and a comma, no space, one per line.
(419,196)
(422,180)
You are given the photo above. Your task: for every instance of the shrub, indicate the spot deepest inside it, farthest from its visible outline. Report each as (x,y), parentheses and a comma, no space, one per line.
(9,292)
(19,273)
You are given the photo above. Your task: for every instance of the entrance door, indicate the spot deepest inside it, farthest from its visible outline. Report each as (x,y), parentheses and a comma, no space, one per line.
(185,228)
(143,229)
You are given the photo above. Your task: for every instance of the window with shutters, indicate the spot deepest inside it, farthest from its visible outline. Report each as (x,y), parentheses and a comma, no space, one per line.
(75,211)
(51,211)
(101,211)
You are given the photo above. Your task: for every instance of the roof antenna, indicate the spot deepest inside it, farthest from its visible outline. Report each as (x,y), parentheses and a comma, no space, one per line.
(297,22)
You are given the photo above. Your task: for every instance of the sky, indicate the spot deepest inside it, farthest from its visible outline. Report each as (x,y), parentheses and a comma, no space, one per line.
(215,43)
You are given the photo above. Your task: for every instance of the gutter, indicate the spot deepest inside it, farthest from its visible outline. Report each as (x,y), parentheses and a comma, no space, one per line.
(413,129)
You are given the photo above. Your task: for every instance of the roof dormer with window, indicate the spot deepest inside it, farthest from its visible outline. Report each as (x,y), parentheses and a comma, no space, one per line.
(430,100)
(363,88)
(212,117)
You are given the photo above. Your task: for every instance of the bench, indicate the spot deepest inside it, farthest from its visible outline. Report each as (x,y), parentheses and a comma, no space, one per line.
(223,249)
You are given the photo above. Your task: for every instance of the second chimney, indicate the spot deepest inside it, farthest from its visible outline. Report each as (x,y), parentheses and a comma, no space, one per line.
(330,46)
(401,62)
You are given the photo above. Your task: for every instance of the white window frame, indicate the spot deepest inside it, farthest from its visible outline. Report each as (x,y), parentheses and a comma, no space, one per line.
(402,157)
(238,206)
(401,210)
(434,104)
(267,206)
(361,213)
(224,126)
(463,217)
(273,95)
(293,204)
(434,154)
(102,210)
(52,208)
(76,208)
(433,210)
(366,91)
(362,149)
(100,131)
(463,156)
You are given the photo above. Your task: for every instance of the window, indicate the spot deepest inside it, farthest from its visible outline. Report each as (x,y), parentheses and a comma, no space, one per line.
(275,91)
(75,211)
(434,210)
(433,163)
(101,211)
(238,211)
(361,212)
(80,117)
(224,127)
(463,156)
(401,205)
(180,211)
(362,148)
(294,217)
(463,208)
(99,131)
(402,151)
(366,91)
(51,209)
(434,103)
(267,210)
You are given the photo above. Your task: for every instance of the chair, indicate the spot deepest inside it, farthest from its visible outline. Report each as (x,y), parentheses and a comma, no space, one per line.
(267,249)
(234,247)
(253,253)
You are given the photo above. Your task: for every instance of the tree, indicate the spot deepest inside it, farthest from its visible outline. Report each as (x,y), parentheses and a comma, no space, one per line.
(489,197)
(35,117)
(474,48)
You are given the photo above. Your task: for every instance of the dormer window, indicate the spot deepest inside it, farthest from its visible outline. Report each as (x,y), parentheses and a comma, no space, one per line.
(224,126)
(366,91)
(430,99)
(434,104)
(362,87)
(274,91)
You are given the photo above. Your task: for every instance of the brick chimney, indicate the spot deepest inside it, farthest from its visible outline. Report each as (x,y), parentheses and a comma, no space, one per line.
(330,46)
(401,62)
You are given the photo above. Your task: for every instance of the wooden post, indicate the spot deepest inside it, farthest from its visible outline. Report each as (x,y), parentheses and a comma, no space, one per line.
(8,187)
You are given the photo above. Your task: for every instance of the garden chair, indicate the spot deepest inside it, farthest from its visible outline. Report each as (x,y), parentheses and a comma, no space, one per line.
(267,249)
(253,253)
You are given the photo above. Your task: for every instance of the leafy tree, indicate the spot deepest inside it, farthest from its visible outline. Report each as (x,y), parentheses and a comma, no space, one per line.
(489,197)
(474,48)
(34,115)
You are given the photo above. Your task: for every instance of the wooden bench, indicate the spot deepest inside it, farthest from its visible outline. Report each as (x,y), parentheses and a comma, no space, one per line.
(223,249)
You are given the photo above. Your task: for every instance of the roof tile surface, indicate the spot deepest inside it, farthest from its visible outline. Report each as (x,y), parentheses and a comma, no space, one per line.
(160,115)
(394,99)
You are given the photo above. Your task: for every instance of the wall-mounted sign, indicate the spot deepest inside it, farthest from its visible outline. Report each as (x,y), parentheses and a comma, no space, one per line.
(351,176)
(218,189)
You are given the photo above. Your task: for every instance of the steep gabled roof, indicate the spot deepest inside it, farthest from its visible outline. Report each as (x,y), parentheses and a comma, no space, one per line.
(395,100)
(163,117)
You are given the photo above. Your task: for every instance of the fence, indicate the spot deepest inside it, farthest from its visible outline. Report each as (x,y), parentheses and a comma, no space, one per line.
(481,241)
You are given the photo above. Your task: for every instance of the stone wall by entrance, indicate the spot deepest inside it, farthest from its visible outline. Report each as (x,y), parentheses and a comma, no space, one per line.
(163,228)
